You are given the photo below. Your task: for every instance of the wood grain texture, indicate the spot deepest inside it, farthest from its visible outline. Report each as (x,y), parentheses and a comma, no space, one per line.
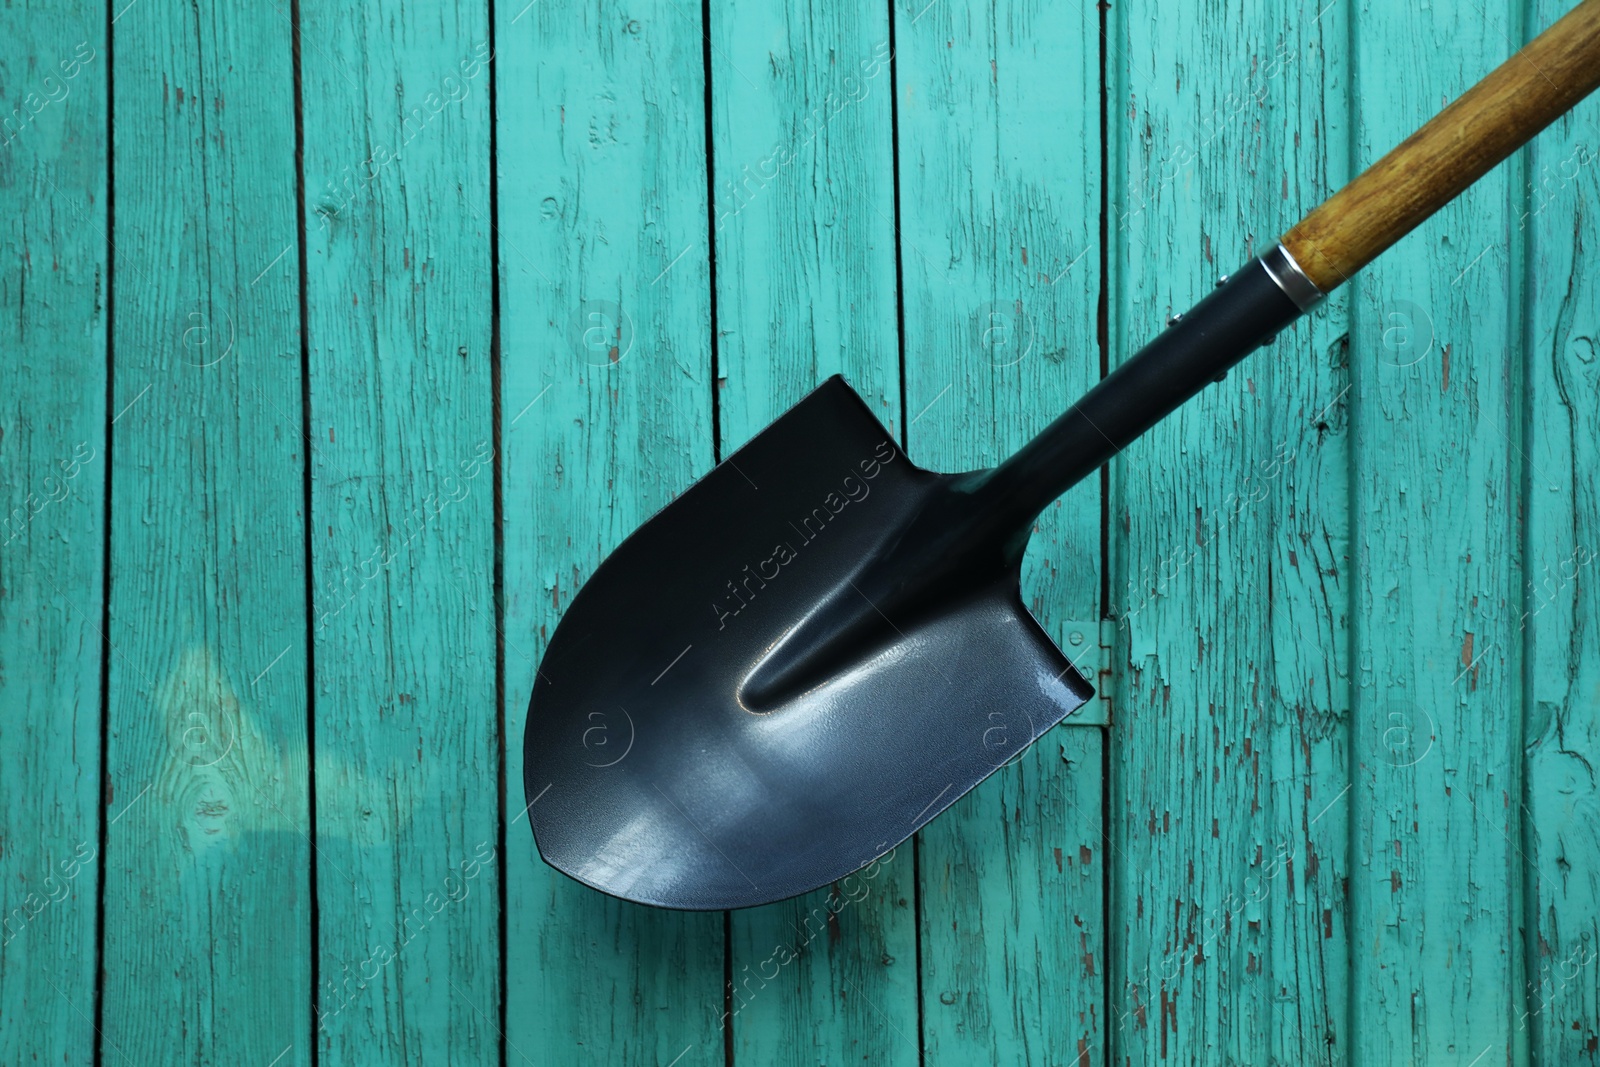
(803,219)
(606,415)
(53,267)
(1350,790)
(1560,609)
(1231,583)
(803,208)
(207,950)
(999,190)
(1014,914)
(1453,149)
(1436,713)
(399,301)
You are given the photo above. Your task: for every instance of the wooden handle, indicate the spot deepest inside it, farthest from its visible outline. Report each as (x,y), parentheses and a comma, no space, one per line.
(1457,147)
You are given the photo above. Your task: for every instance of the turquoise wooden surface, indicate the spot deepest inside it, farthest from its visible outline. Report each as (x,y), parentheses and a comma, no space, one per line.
(1437,760)
(606,397)
(1229,942)
(1555,608)
(207,936)
(399,278)
(52,527)
(345,342)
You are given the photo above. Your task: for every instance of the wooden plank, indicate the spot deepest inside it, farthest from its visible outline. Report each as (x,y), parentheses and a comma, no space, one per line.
(1000,203)
(803,210)
(207,954)
(53,267)
(1436,716)
(399,288)
(1013,912)
(1229,751)
(1561,588)
(606,414)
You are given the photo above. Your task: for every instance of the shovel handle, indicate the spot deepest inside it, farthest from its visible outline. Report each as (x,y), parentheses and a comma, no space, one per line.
(1458,146)
(1426,171)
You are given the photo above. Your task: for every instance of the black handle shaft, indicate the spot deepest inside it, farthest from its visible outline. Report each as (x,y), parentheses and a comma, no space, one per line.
(1235,319)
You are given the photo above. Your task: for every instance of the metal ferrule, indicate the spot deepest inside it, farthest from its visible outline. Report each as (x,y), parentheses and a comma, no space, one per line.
(1283,270)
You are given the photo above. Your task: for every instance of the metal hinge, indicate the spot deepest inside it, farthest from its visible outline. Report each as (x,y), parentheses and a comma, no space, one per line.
(1088,645)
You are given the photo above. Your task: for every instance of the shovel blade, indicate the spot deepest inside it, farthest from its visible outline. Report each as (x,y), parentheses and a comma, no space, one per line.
(652,772)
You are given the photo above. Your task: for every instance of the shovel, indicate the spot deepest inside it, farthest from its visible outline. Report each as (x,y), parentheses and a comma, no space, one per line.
(820,646)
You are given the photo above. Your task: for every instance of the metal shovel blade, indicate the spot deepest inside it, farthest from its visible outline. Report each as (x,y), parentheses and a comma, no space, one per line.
(784,673)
